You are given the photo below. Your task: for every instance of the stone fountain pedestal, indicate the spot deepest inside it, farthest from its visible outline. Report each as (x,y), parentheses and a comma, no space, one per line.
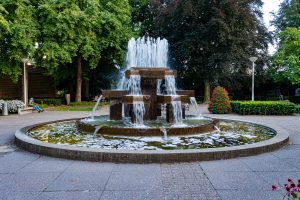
(149,80)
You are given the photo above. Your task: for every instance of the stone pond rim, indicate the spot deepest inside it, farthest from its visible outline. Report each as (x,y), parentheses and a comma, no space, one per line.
(148,156)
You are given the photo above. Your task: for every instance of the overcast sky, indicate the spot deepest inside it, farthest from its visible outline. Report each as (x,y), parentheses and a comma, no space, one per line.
(270,6)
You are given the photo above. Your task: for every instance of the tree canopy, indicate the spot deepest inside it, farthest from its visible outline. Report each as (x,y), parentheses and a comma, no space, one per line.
(288,15)
(213,40)
(286,61)
(18,35)
(79,31)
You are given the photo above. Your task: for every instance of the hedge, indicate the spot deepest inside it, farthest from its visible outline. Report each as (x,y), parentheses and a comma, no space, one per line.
(263,107)
(297,109)
(54,102)
(295,99)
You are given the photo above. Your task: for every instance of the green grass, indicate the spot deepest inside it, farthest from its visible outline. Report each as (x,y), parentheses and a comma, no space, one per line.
(73,106)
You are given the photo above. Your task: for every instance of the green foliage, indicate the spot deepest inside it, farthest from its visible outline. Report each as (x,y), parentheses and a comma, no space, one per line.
(18,35)
(54,102)
(213,40)
(297,109)
(143,16)
(219,103)
(288,15)
(295,99)
(263,107)
(82,28)
(286,61)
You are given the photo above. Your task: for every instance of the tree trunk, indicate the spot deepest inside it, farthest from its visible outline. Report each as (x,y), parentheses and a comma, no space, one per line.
(206,92)
(79,79)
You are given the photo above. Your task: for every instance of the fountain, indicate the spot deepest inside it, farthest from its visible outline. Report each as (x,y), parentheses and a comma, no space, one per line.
(147,121)
(148,86)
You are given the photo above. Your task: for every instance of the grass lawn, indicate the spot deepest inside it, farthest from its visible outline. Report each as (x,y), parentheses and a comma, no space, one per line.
(83,106)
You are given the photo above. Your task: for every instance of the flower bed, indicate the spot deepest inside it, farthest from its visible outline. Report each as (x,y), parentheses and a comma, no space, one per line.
(263,107)
(12,105)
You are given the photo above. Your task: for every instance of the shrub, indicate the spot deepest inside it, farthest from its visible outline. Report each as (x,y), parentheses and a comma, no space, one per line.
(219,103)
(263,107)
(297,109)
(295,99)
(54,102)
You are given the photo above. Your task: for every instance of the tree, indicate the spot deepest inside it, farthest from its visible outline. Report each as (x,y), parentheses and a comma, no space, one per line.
(220,103)
(286,61)
(212,39)
(288,15)
(18,31)
(78,32)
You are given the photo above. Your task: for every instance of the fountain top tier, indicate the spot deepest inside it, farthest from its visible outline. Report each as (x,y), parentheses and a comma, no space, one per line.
(148,72)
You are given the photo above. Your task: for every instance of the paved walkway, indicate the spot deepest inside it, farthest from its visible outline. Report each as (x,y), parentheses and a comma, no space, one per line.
(25,175)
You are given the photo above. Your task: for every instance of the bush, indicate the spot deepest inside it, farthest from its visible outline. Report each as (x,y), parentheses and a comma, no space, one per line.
(297,109)
(13,105)
(263,107)
(295,99)
(219,103)
(54,102)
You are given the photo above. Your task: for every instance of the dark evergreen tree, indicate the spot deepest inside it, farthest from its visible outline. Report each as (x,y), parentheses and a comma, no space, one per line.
(211,41)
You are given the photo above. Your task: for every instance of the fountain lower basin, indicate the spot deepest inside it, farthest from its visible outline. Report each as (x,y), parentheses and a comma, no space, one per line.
(151,128)
(62,139)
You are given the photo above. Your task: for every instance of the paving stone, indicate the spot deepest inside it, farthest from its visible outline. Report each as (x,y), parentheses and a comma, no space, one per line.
(250,195)
(278,178)
(27,181)
(79,181)
(14,161)
(132,195)
(241,178)
(267,162)
(138,168)
(47,164)
(237,180)
(225,165)
(291,151)
(134,181)
(15,195)
(83,166)
(71,195)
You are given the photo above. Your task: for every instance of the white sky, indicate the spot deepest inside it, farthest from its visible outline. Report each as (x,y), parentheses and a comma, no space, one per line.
(270,6)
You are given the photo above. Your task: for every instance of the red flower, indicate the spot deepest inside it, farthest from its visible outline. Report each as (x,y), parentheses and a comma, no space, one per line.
(274,187)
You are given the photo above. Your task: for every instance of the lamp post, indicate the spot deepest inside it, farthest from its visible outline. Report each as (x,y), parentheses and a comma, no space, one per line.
(253,59)
(25,61)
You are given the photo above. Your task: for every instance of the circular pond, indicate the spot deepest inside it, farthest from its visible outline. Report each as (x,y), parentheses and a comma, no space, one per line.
(231,139)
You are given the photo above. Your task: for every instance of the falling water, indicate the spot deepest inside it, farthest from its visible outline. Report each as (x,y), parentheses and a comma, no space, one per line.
(195,105)
(177,111)
(165,133)
(97,128)
(217,128)
(144,52)
(158,87)
(139,111)
(170,85)
(147,52)
(92,115)
(133,85)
